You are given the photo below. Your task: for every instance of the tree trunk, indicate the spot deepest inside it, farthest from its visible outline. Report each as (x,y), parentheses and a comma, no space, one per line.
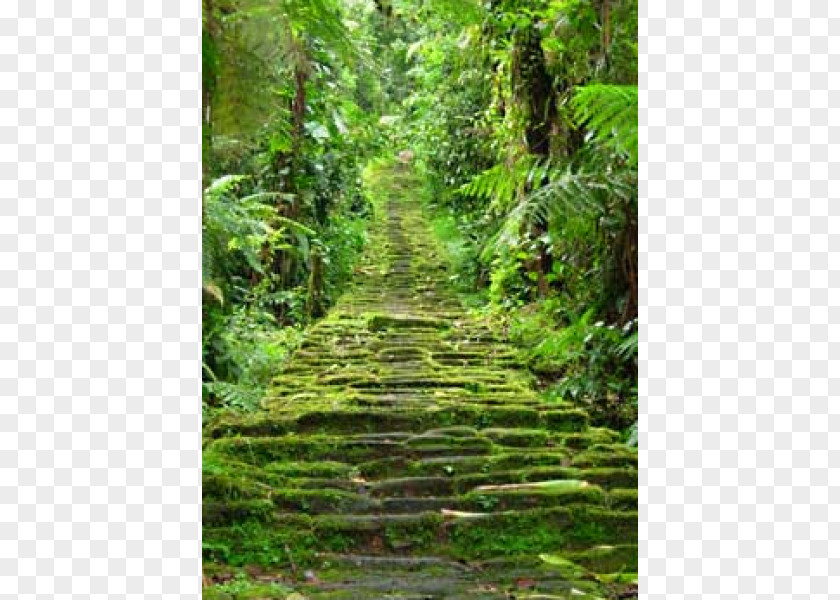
(533,89)
(208,85)
(534,92)
(315,306)
(606,30)
(630,260)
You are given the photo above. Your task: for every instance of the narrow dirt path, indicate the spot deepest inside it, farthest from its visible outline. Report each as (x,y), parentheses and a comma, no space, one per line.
(404,454)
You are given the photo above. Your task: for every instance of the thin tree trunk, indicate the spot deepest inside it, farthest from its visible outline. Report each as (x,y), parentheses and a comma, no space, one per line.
(534,91)
(606,30)
(208,84)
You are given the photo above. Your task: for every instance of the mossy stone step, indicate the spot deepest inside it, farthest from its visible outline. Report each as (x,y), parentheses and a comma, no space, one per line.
(499,421)
(528,498)
(362,449)
(624,499)
(621,558)
(434,586)
(619,482)
(575,527)
(405,322)
(413,487)
(434,578)
(323,469)
(262,450)
(606,478)
(606,455)
(489,502)
(461,465)
(404,496)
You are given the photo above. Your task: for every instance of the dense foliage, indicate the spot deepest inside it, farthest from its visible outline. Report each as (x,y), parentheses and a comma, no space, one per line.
(524,113)
(521,115)
(289,117)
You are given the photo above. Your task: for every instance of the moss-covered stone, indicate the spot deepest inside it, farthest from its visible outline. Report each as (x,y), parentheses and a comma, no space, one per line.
(602,455)
(542,530)
(467,483)
(322,501)
(624,499)
(519,438)
(413,487)
(460,465)
(565,420)
(325,469)
(384,322)
(609,559)
(227,512)
(507,500)
(610,478)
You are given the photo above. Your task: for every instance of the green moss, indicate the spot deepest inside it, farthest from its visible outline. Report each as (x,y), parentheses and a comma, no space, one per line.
(225,477)
(251,425)
(253,543)
(581,441)
(326,469)
(624,499)
(457,444)
(609,559)
(372,534)
(466,483)
(243,588)
(510,417)
(504,500)
(478,466)
(543,530)
(321,501)
(412,487)
(606,456)
(610,478)
(565,420)
(295,448)
(228,512)
(385,322)
(519,438)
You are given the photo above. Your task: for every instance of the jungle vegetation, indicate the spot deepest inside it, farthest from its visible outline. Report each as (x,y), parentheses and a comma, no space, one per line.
(520,116)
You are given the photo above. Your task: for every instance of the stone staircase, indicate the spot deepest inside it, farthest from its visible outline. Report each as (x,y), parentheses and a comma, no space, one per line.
(404,454)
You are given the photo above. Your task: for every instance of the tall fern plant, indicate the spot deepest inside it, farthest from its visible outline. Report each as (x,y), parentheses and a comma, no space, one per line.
(598,186)
(241,234)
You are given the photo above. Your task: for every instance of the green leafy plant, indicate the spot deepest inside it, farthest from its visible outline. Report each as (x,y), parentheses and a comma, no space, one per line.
(611,113)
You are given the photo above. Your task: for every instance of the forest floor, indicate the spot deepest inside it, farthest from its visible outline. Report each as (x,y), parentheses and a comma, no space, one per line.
(404,453)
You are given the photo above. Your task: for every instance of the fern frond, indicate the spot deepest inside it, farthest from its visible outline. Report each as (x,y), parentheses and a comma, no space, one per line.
(235,395)
(295,226)
(611,113)
(629,348)
(500,184)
